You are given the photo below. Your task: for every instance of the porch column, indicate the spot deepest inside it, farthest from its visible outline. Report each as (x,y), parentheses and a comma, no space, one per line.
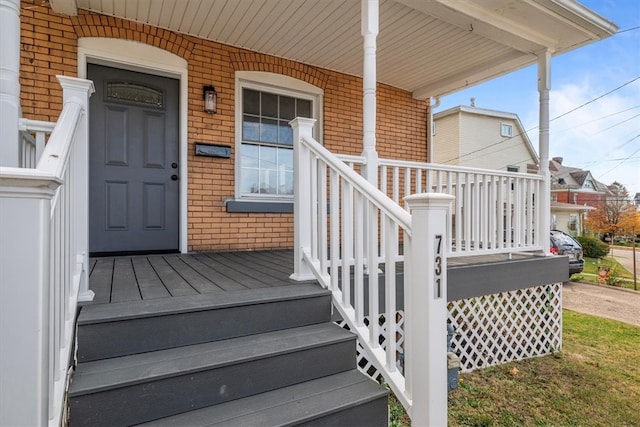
(425,301)
(369,33)
(9,82)
(544,86)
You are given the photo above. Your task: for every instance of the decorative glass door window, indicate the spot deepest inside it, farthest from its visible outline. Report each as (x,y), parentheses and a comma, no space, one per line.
(266,152)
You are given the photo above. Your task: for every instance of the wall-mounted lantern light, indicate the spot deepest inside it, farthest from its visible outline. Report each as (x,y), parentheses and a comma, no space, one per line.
(210,99)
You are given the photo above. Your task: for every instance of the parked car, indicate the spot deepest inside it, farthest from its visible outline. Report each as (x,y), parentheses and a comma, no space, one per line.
(564,244)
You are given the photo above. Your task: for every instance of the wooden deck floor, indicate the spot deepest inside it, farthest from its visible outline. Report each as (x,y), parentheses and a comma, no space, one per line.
(131,278)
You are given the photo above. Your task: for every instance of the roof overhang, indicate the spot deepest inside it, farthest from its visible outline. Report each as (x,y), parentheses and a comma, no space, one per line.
(427,47)
(557,206)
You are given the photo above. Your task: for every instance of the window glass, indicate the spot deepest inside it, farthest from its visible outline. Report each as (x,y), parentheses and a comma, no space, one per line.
(266,153)
(506,129)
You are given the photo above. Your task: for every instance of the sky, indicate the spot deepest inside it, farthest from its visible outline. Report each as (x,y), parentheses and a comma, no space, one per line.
(602,136)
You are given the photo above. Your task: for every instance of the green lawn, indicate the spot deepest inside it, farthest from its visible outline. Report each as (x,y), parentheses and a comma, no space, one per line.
(621,276)
(593,381)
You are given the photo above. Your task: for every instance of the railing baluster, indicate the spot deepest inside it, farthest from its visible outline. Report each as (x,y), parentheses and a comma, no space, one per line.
(372,254)
(347,241)
(322,213)
(335,228)
(359,222)
(390,293)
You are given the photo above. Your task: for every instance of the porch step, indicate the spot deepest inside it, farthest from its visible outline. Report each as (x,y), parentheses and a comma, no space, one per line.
(143,387)
(257,357)
(113,330)
(344,399)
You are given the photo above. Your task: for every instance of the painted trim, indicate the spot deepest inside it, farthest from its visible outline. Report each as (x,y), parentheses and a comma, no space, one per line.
(253,206)
(135,56)
(279,84)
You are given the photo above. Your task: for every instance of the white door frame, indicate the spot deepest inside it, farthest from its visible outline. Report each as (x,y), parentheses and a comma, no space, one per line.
(135,56)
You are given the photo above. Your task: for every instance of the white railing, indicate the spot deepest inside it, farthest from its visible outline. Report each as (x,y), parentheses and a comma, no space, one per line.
(33,137)
(339,218)
(44,264)
(493,212)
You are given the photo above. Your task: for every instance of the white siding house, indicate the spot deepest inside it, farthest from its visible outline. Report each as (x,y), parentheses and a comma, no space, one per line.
(482,138)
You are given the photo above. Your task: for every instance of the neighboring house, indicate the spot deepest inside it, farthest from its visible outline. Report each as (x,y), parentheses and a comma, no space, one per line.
(569,217)
(482,138)
(636,201)
(574,185)
(186,146)
(574,192)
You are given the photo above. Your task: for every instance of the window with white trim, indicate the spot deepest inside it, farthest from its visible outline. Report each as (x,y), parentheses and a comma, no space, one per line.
(506,129)
(513,168)
(264,164)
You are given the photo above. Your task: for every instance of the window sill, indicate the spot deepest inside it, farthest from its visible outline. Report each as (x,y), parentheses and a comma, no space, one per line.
(255,206)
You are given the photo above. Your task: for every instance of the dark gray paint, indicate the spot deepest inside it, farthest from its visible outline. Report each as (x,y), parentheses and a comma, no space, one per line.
(133,202)
(468,281)
(315,402)
(259,207)
(153,386)
(171,322)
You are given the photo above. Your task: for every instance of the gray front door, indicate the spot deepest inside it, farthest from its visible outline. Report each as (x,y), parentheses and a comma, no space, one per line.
(133,166)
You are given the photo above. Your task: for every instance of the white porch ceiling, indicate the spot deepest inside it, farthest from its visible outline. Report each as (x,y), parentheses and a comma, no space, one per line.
(429,47)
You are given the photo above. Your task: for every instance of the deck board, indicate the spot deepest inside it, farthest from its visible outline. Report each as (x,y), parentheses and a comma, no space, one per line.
(124,286)
(145,277)
(150,284)
(175,284)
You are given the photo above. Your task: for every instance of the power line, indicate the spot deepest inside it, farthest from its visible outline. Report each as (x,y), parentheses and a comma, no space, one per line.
(595,99)
(555,118)
(625,159)
(628,29)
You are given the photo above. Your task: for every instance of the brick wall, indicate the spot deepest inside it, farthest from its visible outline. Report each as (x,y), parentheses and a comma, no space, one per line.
(49,47)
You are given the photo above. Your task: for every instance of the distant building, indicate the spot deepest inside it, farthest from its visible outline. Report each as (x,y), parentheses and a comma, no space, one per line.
(636,201)
(482,138)
(574,192)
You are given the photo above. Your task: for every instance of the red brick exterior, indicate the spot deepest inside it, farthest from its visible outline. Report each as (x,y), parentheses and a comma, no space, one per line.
(579,197)
(49,47)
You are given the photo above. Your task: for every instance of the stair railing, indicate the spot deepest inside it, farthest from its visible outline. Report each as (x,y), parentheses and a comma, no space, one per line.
(44,264)
(339,218)
(33,137)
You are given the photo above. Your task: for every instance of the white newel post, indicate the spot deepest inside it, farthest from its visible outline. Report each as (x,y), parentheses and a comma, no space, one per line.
(25,204)
(544,86)
(426,308)
(9,82)
(79,91)
(369,24)
(302,127)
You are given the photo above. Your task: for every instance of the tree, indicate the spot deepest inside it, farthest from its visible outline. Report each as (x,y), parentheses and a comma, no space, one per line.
(614,214)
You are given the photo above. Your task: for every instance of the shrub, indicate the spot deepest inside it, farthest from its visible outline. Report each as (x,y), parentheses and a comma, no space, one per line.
(593,248)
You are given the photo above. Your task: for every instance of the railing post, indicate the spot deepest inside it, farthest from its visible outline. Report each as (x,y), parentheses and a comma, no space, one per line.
(78,91)
(25,204)
(302,128)
(426,307)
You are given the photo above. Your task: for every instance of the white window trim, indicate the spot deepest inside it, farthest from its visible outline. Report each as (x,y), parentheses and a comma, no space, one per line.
(502,127)
(281,85)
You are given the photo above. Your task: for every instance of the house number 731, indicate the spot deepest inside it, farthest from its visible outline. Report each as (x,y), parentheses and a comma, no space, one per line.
(438,267)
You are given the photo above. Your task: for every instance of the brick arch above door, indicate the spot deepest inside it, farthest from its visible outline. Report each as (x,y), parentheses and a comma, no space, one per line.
(92,25)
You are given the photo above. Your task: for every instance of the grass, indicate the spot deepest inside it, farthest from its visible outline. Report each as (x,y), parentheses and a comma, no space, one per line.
(593,381)
(622,277)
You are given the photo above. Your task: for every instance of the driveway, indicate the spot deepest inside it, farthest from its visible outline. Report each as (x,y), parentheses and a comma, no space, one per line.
(603,301)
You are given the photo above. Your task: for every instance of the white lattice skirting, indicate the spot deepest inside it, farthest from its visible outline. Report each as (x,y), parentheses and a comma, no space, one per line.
(492,329)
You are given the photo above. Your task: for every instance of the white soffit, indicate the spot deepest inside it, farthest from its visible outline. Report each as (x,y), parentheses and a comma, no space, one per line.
(428,47)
